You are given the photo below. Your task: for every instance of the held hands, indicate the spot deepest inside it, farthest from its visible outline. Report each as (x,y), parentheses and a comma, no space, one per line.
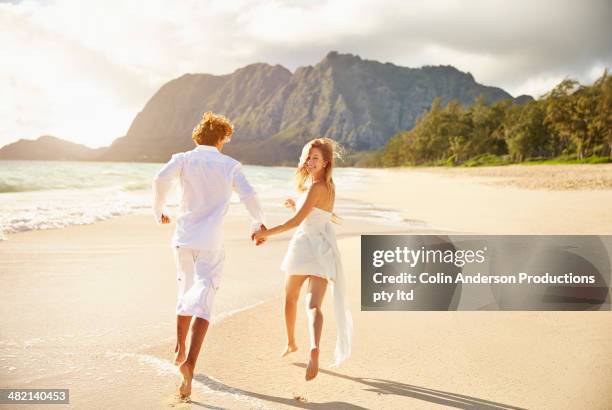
(258,236)
(165,219)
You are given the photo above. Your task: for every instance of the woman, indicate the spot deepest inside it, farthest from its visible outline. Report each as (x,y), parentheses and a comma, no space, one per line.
(313,253)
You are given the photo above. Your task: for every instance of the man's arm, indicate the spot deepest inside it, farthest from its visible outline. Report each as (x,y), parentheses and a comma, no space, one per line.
(162,183)
(249,198)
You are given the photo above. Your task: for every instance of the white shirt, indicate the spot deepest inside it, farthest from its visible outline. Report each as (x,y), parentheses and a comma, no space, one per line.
(207,179)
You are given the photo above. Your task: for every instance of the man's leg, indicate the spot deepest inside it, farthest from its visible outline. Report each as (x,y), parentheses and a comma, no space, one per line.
(198,331)
(185,263)
(208,270)
(182,327)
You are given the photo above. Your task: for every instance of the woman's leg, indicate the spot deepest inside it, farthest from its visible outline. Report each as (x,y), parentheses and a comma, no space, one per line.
(293,284)
(314,299)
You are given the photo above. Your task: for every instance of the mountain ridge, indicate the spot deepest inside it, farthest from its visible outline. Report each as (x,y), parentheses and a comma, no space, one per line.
(47,147)
(360,103)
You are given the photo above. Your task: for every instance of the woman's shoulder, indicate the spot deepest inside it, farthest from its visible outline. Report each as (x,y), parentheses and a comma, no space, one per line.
(319,188)
(320,185)
(324,195)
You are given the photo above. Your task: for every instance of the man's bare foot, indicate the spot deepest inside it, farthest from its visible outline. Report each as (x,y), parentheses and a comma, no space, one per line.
(313,365)
(291,347)
(186,377)
(179,357)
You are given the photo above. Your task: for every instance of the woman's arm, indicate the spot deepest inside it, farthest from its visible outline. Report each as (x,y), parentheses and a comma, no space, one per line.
(316,191)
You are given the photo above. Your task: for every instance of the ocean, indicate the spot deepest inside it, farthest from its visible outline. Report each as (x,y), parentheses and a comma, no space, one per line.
(56,194)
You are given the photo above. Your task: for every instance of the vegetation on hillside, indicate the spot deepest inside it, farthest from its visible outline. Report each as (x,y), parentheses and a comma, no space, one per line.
(571,123)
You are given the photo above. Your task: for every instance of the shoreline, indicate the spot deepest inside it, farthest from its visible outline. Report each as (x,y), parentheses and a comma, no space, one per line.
(542,187)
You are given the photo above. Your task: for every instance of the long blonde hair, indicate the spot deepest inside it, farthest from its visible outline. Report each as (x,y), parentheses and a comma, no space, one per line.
(330,150)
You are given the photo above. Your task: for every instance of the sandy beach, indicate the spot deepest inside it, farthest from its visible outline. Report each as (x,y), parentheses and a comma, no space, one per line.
(559,199)
(91,308)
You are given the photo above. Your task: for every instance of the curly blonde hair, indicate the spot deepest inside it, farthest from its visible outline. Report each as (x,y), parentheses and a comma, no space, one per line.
(211,129)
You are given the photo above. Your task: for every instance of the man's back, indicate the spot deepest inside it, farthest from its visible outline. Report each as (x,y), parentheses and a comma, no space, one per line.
(207,179)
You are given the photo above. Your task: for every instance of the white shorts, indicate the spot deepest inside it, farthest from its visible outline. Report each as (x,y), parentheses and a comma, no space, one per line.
(198,277)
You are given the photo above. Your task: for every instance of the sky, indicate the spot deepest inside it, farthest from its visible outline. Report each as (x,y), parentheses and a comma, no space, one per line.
(82,70)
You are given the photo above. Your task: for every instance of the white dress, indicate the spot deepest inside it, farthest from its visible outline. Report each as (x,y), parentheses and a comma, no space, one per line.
(313,250)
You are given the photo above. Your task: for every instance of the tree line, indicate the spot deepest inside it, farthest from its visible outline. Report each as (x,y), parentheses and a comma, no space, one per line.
(571,121)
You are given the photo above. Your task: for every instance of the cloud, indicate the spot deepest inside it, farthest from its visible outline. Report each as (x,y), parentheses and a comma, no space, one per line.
(82,70)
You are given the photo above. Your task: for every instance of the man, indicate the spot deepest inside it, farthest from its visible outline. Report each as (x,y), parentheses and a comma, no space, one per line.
(207,179)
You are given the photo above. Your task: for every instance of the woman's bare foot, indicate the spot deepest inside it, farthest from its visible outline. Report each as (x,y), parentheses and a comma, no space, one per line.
(313,365)
(291,347)
(186,376)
